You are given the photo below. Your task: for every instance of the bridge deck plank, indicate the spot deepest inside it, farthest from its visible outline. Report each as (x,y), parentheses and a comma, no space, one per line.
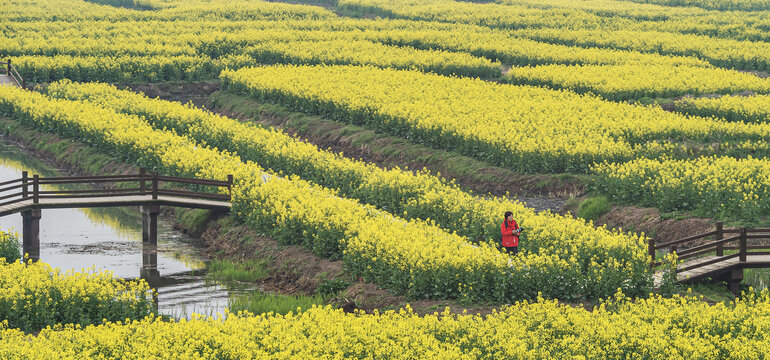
(722,266)
(752,261)
(6,80)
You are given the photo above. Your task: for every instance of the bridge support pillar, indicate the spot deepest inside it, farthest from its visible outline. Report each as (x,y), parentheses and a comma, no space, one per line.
(150,223)
(149,262)
(733,279)
(149,271)
(31,233)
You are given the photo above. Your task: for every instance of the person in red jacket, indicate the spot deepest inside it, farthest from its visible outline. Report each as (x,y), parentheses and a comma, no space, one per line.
(510,231)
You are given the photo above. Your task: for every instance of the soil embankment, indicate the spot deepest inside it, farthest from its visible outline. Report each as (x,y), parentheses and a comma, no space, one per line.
(653,224)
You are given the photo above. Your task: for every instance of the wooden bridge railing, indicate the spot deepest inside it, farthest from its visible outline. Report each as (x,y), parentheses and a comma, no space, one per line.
(142,184)
(8,68)
(718,245)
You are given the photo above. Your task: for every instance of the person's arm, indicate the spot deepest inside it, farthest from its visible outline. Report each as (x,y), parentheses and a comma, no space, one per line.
(506,230)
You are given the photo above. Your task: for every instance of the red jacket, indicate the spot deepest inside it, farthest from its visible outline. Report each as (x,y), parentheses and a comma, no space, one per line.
(509,239)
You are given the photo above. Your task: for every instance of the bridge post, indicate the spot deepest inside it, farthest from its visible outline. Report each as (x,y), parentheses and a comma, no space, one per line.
(150,223)
(719,236)
(155,185)
(9,67)
(31,233)
(651,251)
(742,256)
(24,182)
(35,189)
(736,275)
(142,174)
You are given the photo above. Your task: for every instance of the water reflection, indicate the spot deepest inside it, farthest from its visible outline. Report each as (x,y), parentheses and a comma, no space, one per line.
(181,291)
(111,239)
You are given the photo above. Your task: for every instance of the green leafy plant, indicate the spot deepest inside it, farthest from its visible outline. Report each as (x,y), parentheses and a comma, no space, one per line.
(9,247)
(593,208)
(332,287)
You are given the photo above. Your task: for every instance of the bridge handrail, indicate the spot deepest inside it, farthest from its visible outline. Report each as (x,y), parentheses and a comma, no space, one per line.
(9,182)
(143,178)
(718,245)
(13,187)
(706,246)
(196,194)
(684,240)
(11,71)
(710,262)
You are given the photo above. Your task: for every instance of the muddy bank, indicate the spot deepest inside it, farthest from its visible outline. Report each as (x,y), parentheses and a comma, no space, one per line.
(650,221)
(195,92)
(653,225)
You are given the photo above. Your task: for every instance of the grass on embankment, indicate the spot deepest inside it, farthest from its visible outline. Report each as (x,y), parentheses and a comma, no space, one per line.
(593,208)
(754,280)
(232,272)
(224,270)
(259,303)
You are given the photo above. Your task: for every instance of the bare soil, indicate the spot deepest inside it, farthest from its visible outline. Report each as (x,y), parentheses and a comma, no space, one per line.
(183,92)
(650,222)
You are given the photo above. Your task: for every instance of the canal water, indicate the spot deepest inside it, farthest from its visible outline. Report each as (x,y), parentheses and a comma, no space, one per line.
(111,239)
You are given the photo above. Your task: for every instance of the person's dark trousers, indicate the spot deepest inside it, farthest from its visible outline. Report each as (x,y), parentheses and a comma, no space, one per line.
(512,250)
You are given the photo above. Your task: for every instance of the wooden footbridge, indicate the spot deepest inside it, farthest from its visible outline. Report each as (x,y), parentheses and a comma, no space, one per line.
(720,255)
(149,191)
(9,75)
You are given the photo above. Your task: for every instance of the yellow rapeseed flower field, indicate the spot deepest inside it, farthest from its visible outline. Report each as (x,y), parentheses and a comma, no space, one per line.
(413,195)
(725,39)
(654,328)
(629,81)
(413,257)
(525,128)
(716,186)
(35,296)
(749,109)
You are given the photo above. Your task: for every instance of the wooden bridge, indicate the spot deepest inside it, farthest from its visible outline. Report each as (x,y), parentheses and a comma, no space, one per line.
(9,75)
(721,254)
(24,195)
